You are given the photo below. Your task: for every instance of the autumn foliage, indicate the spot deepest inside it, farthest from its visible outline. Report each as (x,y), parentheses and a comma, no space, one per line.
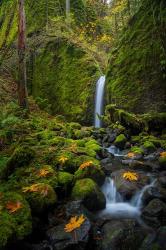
(74,223)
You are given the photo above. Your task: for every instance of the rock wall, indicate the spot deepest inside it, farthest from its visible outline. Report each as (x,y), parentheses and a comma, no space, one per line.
(136,78)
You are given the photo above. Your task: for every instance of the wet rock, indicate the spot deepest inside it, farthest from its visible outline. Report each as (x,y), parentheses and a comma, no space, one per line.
(121,235)
(155,241)
(154,192)
(120,141)
(128,188)
(154,214)
(74,208)
(61,240)
(90,194)
(162,181)
(151,157)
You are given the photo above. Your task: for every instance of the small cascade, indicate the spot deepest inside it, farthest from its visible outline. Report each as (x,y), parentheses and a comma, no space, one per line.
(115,205)
(99,101)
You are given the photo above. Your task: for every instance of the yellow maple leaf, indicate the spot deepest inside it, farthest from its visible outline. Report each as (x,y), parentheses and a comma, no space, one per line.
(163,154)
(13,207)
(32,188)
(75,222)
(63,159)
(43,172)
(86,164)
(130,155)
(130,176)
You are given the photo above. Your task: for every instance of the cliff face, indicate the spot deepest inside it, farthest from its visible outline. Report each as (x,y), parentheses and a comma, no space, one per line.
(136,78)
(60,74)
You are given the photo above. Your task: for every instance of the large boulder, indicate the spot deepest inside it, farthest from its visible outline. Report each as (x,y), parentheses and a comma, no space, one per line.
(88,191)
(121,235)
(93,171)
(120,141)
(154,214)
(126,187)
(76,239)
(15,218)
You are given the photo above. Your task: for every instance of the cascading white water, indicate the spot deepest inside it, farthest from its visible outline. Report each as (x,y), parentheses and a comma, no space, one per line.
(116,207)
(99,100)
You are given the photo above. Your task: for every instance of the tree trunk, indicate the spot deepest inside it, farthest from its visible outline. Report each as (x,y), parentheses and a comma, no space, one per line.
(22,88)
(67,9)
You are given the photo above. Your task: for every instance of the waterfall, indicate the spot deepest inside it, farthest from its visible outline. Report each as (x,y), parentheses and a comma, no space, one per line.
(115,205)
(99,101)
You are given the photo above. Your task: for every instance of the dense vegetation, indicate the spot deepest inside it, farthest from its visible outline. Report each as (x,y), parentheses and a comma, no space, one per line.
(53,161)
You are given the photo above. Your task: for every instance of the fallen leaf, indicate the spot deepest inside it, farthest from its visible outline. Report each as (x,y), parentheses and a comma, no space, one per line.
(13,207)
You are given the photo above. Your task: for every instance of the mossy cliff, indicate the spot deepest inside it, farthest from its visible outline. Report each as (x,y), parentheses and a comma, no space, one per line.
(60,74)
(136,77)
(64,78)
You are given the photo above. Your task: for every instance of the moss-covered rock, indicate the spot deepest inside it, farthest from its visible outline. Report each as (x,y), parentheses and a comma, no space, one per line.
(65,182)
(137,150)
(92,171)
(15,218)
(21,157)
(149,147)
(90,194)
(40,196)
(162,162)
(120,141)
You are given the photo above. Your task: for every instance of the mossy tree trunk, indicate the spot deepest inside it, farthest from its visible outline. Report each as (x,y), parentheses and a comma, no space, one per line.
(22,88)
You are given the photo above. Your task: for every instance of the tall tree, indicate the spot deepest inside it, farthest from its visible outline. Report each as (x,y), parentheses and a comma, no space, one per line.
(22,88)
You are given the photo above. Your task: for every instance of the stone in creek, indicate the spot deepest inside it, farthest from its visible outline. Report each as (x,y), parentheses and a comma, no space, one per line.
(154,214)
(61,240)
(125,234)
(128,188)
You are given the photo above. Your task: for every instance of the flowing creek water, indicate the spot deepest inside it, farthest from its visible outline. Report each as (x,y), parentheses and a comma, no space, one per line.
(116,206)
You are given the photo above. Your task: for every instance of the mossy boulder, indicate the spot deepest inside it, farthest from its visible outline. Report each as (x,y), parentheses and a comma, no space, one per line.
(90,194)
(120,141)
(92,171)
(40,197)
(162,162)
(15,218)
(149,147)
(137,150)
(21,157)
(65,182)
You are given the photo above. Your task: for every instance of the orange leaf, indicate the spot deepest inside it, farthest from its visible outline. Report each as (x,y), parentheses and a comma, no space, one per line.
(13,206)
(130,176)
(86,164)
(74,223)
(163,154)
(130,155)
(43,172)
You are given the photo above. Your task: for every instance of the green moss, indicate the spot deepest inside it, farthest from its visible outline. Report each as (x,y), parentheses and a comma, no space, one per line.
(137,150)
(149,147)
(16,225)
(42,199)
(120,141)
(65,183)
(93,171)
(88,191)
(136,63)
(21,157)
(162,162)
